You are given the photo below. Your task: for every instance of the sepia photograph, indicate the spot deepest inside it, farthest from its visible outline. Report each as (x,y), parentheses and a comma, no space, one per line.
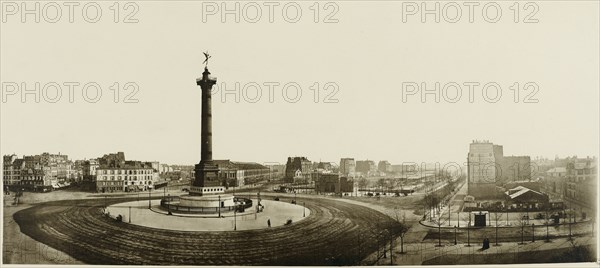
(299,133)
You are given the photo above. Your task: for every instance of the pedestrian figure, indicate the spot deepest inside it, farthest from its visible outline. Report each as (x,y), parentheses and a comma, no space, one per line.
(269,222)
(486,244)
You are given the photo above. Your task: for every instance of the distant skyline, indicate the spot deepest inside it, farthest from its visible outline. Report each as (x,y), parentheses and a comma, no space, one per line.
(127,157)
(368,62)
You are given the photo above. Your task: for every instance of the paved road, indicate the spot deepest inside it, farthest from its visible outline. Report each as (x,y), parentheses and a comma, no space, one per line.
(327,237)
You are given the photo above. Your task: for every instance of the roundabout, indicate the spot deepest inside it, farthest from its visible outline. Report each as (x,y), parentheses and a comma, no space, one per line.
(273,212)
(328,235)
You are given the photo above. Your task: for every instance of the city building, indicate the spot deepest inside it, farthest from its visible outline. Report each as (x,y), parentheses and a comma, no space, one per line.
(572,179)
(483,159)
(347,167)
(322,166)
(489,170)
(366,167)
(514,168)
(77,171)
(297,170)
(236,174)
(333,183)
(384,166)
(582,181)
(405,168)
(522,198)
(11,172)
(165,168)
(277,171)
(115,174)
(89,170)
(557,172)
(42,172)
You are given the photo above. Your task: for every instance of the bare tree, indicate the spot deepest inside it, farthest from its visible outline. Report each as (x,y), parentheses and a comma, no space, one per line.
(547,221)
(403,229)
(362,183)
(496,217)
(467,218)
(570,214)
(381,183)
(522,221)
(439,220)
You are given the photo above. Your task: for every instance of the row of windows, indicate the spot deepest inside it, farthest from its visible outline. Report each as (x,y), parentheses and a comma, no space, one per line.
(104,183)
(130,172)
(584,171)
(112,188)
(134,178)
(210,190)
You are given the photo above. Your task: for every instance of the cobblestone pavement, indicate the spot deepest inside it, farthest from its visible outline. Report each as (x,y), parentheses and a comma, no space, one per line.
(327,237)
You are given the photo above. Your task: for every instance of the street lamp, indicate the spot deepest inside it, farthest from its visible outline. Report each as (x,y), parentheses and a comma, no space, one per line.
(455,235)
(522,230)
(304,209)
(234,215)
(468,234)
(149,202)
(533,232)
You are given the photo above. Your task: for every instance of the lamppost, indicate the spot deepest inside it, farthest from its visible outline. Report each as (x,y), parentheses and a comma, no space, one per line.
(129,214)
(219,206)
(149,202)
(570,222)
(234,215)
(533,232)
(455,235)
(468,234)
(522,231)
(304,209)
(440,233)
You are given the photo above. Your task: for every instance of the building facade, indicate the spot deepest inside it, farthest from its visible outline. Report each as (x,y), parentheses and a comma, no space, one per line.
(405,168)
(384,166)
(11,172)
(42,172)
(366,167)
(347,167)
(582,181)
(115,174)
(236,174)
(333,183)
(488,170)
(297,169)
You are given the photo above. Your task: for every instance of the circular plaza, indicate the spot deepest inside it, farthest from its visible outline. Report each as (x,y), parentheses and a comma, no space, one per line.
(326,236)
(272,214)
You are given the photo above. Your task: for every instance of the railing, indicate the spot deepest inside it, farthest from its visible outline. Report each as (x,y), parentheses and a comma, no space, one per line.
(172,204)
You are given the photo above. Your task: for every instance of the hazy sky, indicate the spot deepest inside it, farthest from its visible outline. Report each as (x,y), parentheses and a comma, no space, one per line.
(368,54)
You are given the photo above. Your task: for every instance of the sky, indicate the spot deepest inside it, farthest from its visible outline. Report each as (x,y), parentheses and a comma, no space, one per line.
(360,57)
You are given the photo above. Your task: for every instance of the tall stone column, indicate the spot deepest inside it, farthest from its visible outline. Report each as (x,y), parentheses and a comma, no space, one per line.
(206,172)
(206,83)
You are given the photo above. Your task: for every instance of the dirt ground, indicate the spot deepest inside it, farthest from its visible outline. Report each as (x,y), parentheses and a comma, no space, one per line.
(20,248)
